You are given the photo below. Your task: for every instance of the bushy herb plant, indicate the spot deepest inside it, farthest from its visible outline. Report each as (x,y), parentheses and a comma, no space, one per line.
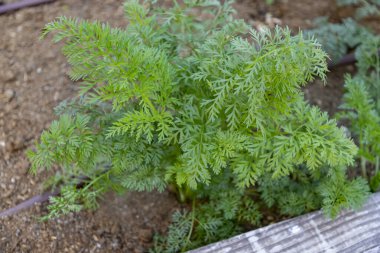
(361,107)
(191,98)
(361,101)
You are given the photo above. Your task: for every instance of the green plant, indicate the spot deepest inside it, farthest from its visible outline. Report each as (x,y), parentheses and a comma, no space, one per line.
(364,8)
(181,97)
(361,106)
(361,101)
(364,120)
(339,38)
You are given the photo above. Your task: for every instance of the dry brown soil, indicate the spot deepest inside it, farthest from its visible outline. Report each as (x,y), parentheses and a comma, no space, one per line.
(33,81)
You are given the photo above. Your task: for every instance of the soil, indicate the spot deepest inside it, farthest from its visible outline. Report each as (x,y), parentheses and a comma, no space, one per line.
(33,81)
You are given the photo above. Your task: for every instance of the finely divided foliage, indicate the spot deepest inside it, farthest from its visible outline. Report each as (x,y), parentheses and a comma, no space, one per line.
(190,97)
(361,101)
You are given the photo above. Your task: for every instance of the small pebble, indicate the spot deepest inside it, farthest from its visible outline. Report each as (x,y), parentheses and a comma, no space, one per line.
(145,235)
(9,95)
(114,229)
(17,144)
(9,76)
(56,96)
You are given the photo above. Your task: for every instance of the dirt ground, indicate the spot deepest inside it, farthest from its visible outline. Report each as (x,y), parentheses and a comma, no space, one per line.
(33,81)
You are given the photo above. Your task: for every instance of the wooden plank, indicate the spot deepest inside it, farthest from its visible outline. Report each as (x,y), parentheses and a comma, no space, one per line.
(350,232)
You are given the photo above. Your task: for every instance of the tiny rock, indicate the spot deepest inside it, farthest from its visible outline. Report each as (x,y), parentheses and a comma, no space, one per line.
(56,96)
(17,144)
(318,102)
(260,26)
(9,76)
(9,107)
(145,235)
(95,238)
(272,21)
(9,95)
(114,229)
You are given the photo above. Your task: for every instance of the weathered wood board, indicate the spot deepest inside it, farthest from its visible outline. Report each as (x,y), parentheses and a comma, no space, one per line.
(351,232)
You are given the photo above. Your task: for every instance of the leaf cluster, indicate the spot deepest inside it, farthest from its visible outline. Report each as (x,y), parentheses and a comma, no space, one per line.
(361,101)
(339,38)
(192,98)
(221,213)
(364,8)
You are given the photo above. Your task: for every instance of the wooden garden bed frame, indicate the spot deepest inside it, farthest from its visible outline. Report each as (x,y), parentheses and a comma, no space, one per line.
(350,232)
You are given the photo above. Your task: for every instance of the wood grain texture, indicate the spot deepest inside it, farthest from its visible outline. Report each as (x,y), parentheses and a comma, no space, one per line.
(350,232)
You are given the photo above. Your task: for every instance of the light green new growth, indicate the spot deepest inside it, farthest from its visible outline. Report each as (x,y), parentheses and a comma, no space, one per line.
(190,97)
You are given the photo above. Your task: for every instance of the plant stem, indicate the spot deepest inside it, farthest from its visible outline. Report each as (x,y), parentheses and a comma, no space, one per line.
(150,104)
(377,165)
(94,181)
(362,159)
(191,228)
(363,167)
(182,195)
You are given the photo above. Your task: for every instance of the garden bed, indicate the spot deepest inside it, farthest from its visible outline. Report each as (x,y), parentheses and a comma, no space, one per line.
(350,232)
(33,80)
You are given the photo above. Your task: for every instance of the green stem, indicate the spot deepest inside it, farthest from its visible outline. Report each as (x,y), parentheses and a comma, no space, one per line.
(185,193)
(362,159)
(363,167)
(150,104)
(94,181)
(182,195)
(377,165)
(191,228)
